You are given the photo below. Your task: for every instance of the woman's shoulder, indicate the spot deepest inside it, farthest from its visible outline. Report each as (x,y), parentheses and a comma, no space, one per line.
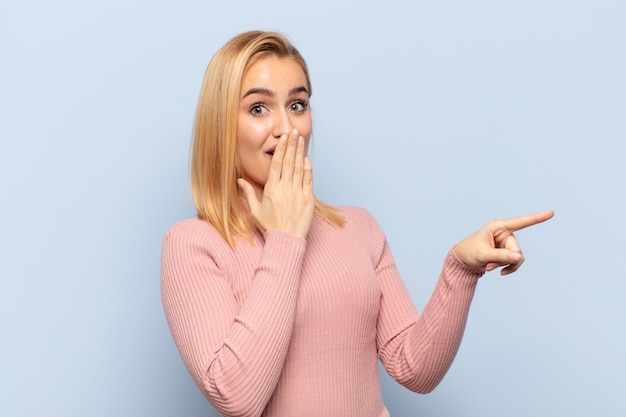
(354,214)
(193,228)
(192,223)
(350,211)
(358,221)
(195,235)
(360,229)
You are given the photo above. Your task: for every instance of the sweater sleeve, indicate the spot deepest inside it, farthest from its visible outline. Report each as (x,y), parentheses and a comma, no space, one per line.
(234,353)
(417,350)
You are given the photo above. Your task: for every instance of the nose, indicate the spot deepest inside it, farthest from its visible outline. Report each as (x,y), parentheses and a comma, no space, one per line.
(282,124)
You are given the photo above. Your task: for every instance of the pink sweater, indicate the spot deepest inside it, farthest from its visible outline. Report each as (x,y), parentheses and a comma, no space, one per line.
(291,327)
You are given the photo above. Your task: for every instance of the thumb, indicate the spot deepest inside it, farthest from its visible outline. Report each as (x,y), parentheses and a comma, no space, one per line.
(249,194)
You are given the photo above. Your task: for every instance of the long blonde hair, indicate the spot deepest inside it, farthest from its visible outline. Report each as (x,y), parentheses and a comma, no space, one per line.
(214,156)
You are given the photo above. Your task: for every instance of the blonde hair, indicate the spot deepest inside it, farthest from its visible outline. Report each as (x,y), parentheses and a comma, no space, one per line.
(214,156)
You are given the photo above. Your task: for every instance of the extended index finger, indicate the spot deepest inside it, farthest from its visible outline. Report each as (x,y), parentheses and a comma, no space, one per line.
(518,223)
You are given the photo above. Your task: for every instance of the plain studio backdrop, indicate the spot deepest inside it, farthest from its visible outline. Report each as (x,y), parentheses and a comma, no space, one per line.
(435,116)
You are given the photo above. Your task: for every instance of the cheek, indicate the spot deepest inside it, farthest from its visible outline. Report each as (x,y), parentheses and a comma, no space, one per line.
(305,127)
(251,135)
(308,139)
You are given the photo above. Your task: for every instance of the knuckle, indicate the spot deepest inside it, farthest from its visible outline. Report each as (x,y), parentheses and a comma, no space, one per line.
(496,223)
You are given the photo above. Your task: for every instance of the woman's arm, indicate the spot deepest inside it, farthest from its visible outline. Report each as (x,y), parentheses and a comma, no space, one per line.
(417,350)
(234,354)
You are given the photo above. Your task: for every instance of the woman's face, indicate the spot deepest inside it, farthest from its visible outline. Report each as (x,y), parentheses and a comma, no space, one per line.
(274,101)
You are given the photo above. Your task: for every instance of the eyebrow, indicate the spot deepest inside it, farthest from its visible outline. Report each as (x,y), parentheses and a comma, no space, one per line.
(270,93)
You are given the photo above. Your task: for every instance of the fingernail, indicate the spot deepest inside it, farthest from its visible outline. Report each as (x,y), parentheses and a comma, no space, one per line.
(515,256)
(295,132)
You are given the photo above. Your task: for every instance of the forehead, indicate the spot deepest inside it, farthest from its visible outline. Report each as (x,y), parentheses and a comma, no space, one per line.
(275,73)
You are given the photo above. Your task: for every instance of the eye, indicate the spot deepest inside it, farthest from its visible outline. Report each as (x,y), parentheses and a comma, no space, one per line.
(298,106)
(258,110)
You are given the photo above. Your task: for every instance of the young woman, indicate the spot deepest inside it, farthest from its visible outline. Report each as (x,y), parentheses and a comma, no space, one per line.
(279,304)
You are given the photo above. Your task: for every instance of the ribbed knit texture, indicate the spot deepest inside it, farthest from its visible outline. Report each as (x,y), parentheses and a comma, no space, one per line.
(291,327)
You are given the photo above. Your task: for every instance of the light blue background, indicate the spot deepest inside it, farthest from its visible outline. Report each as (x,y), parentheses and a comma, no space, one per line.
(436,116)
